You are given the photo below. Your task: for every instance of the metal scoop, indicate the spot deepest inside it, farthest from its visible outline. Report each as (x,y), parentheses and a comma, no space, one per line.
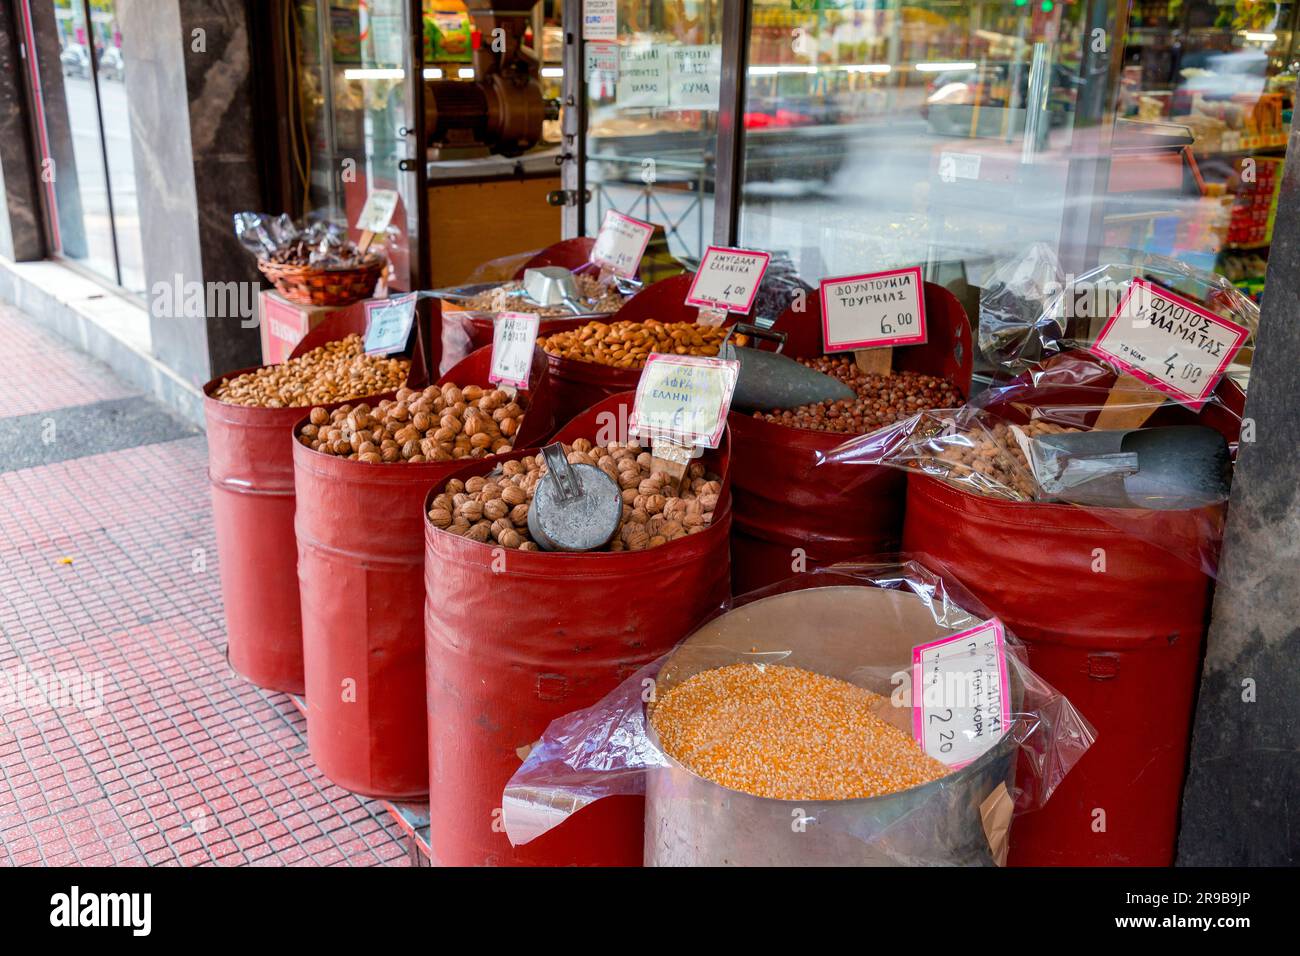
(553,285)
(575,507)
(772,380)
(1168,468)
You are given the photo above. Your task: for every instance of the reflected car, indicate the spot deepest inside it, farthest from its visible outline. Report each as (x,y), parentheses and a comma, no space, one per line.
(951,97)
(111,64)
(75,61)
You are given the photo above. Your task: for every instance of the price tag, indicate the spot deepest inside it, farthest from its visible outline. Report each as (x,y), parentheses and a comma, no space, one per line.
(1169,343)
(873,310)
(727,279)
(621,243)
(514,336)
(388,324)
(378,210)
(960,706)
(684,398)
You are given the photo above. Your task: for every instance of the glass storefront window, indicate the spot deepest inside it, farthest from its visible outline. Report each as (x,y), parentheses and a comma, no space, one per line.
(652,119)
(951,135)
(85,133)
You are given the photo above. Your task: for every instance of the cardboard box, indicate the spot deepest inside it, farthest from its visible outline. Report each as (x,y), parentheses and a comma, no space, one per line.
(283,323)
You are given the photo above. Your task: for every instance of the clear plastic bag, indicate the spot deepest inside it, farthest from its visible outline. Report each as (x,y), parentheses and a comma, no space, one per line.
(1031,310)
(861,623)
(314,241)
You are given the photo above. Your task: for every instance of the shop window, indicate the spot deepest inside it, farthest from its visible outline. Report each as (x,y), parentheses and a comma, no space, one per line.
(653,75)
(78,77)
(880,134)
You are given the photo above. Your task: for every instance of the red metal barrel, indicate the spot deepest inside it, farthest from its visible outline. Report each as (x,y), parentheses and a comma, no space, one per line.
(1113,618)
(250,469)
(790,517)
(546,634)
(579,385)
(360,532)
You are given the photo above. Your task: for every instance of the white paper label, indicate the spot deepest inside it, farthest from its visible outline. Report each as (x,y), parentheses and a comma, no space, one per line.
(642,76)
(960,706)
(388,324)
(694,76)
(600,19)
(1170,343)
(514,337)
(601,70)
(954,166)
(378,211)
(728,279)
(684,398)
(621,243)
(873,310)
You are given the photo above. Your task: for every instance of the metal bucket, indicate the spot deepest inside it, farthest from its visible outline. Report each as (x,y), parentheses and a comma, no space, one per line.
(856,634)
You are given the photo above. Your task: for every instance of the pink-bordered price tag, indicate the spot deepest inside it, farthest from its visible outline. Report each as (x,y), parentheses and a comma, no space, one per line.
(684,398)
(960,703)
(1169,342)
(728,279)
(621,243)
(514,336)
(873,310)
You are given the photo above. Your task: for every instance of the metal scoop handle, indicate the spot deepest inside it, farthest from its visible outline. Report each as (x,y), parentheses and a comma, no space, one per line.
(753,331)
(568,485)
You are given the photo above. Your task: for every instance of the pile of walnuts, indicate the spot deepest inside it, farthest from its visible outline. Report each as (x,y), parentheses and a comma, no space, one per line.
(335,372)
(438,424)
(655,509)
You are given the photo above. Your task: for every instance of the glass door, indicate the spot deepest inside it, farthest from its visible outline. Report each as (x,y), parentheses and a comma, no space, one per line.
(356,97)
(653,76)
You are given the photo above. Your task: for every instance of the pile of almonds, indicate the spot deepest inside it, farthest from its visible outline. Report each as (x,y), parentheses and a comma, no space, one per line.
(655,510)
(335,372)
(438,424)
(592,296)
(627,344)
(881,399)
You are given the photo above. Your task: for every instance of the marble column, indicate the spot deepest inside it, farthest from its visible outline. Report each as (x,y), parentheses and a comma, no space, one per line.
(21,235)
(188,82)
(1241,803)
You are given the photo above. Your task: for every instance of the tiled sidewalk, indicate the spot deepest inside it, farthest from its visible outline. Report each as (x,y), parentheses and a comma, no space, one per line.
(147,748)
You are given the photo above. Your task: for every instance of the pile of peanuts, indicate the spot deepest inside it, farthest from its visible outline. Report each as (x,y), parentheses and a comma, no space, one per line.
(627,344)
(881,399)
(335,372)
(438,424)
(789,734)
(655,510)
(991,461)
(592,296)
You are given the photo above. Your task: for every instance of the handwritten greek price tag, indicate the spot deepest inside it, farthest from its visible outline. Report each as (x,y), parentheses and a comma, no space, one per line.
(684,398)
(621,243)
(514,336)
(378,211)
(1170,343)
(727,279)
(873,310)
(960,706)
(388,324)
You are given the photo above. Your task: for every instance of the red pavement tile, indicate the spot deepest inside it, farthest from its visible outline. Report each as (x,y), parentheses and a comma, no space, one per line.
(44,374)
(147,748)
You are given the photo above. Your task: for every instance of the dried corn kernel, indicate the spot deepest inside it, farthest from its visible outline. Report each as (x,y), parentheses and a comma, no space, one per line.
(789,734)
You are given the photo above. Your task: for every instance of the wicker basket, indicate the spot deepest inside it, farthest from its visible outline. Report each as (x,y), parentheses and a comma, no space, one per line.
(309,285)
